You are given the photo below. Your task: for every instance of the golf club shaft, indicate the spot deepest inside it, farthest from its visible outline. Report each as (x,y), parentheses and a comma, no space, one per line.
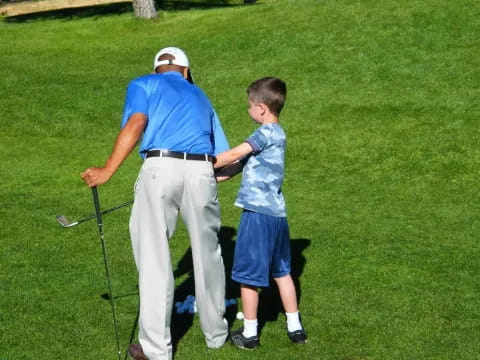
(104,211)
(98,214)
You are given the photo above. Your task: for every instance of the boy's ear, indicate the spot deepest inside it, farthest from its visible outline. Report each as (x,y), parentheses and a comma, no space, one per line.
(264,108)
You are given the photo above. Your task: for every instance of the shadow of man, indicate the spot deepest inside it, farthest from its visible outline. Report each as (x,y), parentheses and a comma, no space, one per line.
(181,323)
(269,301)
(232,289)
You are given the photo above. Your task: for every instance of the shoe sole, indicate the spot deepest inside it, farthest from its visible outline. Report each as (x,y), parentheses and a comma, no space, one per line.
(243,347)
(240,346)
(299,342)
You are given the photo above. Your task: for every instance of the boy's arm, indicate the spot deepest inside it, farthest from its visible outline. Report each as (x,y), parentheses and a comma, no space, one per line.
(232,155)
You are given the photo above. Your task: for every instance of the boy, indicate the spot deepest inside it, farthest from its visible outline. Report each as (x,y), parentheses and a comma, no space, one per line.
(263,244)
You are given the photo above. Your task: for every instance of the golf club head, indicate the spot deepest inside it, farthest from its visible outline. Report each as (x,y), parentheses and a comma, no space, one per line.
(62,220)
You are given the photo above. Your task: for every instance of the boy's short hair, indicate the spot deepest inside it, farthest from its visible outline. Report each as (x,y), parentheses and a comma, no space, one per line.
(270,91)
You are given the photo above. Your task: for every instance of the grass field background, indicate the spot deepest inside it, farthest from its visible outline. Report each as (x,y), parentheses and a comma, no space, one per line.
(382,182)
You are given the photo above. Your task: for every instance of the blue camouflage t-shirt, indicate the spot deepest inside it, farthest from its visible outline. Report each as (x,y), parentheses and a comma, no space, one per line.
(262,177)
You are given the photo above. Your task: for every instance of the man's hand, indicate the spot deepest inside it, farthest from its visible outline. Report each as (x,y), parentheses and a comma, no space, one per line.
(95,176)
(228,172)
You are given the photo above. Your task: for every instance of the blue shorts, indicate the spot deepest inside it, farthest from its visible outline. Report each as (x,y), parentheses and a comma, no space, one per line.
(262,249)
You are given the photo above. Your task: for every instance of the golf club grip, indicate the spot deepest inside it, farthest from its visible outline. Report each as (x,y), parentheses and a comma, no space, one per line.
(96,202)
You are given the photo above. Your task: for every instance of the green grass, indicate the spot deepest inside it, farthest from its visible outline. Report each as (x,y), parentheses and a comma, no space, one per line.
(381,186)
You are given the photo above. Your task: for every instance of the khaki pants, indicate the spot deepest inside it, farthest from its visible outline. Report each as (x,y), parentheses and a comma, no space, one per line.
(165,188)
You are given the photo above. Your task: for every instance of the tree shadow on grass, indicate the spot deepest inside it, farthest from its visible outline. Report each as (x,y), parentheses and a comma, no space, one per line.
(121,8)
(74,13)
(198,4)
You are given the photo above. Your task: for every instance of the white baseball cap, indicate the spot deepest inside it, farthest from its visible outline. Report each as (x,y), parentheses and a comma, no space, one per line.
(180,57)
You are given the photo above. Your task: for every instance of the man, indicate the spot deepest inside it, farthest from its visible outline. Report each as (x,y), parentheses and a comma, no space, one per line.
(181,134)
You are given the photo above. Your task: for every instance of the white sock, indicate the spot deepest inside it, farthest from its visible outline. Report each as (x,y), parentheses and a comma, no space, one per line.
(293,321)
(249,328)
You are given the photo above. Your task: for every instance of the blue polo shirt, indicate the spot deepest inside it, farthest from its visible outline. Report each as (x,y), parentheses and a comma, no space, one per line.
(180,117)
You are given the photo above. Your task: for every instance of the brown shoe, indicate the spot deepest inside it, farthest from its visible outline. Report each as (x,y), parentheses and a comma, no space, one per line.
(136,352)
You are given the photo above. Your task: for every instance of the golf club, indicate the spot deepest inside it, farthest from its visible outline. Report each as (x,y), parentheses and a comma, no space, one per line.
(98,214)
(62,220)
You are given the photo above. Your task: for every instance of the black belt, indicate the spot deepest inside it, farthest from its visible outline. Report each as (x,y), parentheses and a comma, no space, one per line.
(178,155)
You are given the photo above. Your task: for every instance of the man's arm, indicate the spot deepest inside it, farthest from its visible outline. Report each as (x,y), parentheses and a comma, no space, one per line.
(232,155)
(229,171)
(125,143)
(220,142)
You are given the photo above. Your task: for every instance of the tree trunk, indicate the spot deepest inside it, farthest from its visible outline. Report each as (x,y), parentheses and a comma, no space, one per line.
(144,9)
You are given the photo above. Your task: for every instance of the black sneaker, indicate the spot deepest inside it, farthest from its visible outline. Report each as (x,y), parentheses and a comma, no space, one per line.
(237,339)
(297,336)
